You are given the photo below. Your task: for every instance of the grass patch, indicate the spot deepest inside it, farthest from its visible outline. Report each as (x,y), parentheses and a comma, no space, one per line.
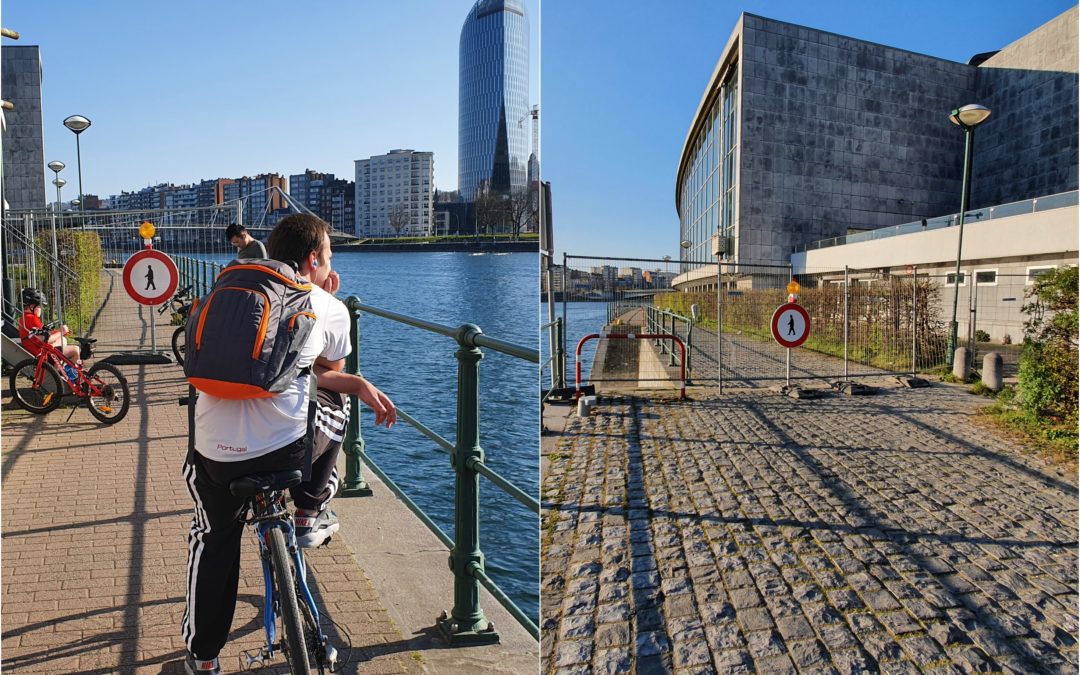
(1053,439)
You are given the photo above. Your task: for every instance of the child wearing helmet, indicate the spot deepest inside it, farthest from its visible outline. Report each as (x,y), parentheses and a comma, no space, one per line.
(32,300)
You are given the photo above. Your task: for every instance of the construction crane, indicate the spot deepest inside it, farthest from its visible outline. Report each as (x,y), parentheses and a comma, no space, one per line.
(534,113)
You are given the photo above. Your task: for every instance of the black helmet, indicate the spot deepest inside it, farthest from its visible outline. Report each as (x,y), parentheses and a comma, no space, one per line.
(32,296)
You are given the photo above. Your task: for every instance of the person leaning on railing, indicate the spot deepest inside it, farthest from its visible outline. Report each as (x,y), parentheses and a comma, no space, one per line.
(235,438)
(246,245)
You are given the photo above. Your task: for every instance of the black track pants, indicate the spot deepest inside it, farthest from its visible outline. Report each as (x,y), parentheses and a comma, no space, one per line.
(216,527)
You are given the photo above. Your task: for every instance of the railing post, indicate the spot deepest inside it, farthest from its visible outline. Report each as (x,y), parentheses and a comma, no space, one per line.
(466,624)
(355,485)
(689,351)
(560,353)
(671,348)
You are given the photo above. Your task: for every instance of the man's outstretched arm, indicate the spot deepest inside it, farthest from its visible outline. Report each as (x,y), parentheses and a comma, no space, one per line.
(331,376)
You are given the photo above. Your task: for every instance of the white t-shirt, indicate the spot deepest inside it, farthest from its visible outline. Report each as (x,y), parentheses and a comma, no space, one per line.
(233,431)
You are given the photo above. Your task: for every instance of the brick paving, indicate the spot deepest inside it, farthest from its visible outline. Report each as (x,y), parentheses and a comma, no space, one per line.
(95,520)
(758,533)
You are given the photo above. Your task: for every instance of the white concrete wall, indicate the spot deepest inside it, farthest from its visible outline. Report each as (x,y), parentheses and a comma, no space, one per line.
(1029,235)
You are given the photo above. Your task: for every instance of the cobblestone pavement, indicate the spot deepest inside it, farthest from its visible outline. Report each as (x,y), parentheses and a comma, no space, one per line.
(95,522)
(758,533)
(748,360)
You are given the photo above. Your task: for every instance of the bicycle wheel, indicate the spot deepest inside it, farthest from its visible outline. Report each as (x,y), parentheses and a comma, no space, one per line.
(294,643)
(37,397)
(112,401)
(179,344)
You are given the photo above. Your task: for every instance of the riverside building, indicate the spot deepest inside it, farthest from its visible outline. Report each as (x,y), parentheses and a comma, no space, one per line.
(803,135)
(394,194)
(493,98)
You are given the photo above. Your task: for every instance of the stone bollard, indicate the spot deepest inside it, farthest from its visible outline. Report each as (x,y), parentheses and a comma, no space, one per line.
(991,374)
(960,364)
(585,405)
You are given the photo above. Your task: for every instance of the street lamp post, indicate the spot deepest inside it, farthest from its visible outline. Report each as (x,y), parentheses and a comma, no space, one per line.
(967,118)
(59,183)
(78,124)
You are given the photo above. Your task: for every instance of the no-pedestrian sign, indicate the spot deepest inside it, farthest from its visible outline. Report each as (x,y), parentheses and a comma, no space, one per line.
(150,277)
(790,325)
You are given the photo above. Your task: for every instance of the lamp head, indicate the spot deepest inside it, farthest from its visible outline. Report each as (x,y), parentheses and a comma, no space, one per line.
(77,123)
(56,166)
(686,243)
(969,116)
(59,182)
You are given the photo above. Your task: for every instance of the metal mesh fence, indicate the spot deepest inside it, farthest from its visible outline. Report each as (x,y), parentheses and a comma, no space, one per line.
(194,238)
(610,295)
(989,313)
(864,322)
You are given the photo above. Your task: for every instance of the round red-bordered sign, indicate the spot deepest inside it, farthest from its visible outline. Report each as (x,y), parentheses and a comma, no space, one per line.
(150,277)
(790,325)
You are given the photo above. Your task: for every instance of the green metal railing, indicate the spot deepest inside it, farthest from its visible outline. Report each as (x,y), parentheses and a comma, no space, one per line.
(664,321)
(199,274)
(466,622)
(557,361)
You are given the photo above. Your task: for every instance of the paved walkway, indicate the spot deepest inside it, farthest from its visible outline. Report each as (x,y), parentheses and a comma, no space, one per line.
(758,533)
(95,521)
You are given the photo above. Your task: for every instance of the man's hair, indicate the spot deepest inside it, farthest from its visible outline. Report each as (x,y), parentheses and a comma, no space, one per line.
(295,237)
(234,230)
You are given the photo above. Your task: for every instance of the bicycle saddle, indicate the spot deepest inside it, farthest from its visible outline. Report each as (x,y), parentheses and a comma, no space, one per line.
(249,486)
(86,341)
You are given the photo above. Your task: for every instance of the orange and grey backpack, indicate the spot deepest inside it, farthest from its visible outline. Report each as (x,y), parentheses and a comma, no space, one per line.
(244,337)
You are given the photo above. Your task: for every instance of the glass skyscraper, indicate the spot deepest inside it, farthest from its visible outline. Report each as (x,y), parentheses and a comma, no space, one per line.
(493,98)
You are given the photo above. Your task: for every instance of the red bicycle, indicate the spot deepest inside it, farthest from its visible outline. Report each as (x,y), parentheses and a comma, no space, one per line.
(37,383)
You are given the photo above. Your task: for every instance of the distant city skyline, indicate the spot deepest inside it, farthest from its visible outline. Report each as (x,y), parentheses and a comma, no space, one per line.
(262,88)
(618,103)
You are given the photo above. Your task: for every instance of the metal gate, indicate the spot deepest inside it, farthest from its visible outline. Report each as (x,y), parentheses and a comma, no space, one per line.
(864,322)
(615,296)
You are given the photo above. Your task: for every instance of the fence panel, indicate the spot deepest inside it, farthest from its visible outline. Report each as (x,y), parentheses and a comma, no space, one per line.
(189,236)
(598,294)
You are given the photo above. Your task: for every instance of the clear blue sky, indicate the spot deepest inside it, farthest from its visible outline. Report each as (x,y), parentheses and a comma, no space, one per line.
(622,79)
(179,92)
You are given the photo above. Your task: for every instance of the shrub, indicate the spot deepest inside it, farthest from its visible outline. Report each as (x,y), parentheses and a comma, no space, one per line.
(1048,363)
(982,336)
(79,252)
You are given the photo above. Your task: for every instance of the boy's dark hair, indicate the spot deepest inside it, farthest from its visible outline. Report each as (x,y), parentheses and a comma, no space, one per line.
(234,230)
(295,237)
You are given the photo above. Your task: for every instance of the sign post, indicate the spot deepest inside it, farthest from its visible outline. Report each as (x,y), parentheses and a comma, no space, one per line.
(790,327)
(150,278)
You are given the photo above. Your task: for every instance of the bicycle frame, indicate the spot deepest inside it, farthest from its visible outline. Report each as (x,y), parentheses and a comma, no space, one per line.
(53,355)
(268,513)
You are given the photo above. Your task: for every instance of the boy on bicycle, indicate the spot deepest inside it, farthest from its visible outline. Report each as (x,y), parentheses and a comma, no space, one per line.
(235,438)
(32,301)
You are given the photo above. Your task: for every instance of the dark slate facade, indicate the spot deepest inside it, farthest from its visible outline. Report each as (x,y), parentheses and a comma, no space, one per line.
(24,146)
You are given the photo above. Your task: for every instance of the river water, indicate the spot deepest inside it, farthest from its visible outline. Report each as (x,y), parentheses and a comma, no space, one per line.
(418,370)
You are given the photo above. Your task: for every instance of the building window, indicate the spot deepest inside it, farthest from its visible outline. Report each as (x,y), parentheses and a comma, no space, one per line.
(1034,273)
(950,279)
(986,277)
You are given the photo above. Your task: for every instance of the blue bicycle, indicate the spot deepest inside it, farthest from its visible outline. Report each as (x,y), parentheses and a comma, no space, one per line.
(288,596)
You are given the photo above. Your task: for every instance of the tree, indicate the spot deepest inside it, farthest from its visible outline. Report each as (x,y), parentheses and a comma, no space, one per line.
(491,211)
(521,209)
(399,217)
(1048,365)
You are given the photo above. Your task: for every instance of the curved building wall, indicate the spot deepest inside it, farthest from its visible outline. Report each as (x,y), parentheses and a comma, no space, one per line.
(835,135)
(493,97)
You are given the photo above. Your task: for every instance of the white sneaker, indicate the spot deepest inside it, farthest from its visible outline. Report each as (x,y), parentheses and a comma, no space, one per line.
(314,530)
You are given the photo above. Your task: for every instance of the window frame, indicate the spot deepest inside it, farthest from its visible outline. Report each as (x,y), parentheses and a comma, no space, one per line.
(1028,281)
(963,274)
(975,276)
